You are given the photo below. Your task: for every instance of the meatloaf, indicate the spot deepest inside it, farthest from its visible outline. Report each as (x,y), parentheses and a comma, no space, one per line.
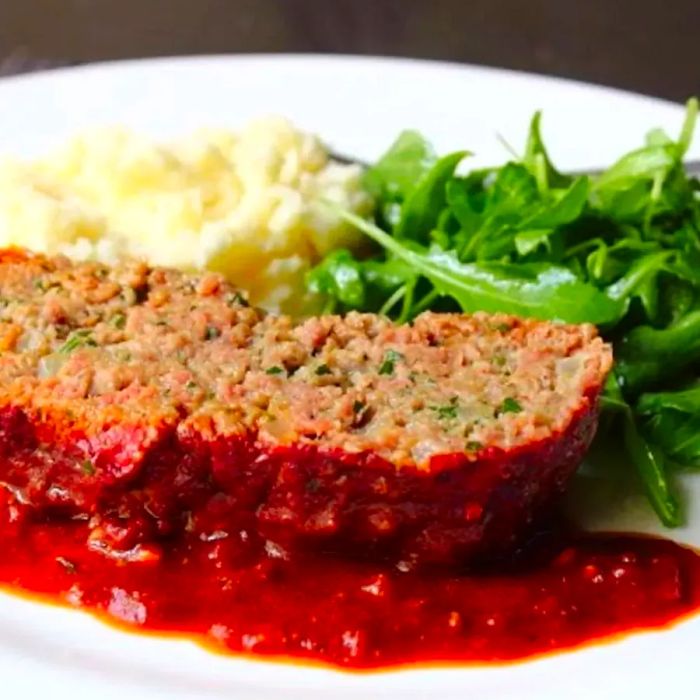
(154,404)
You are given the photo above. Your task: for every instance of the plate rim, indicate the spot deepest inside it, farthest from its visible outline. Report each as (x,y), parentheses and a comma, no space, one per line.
(310,58)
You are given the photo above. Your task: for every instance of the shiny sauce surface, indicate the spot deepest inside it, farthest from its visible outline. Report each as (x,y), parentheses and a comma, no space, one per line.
(579,589)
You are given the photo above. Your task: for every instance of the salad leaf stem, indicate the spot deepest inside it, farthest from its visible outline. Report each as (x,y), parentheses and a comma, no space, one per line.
(426,302)
(393,300)
(648,461)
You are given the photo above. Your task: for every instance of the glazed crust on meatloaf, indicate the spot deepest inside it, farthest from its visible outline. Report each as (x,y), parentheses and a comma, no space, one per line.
(152,402)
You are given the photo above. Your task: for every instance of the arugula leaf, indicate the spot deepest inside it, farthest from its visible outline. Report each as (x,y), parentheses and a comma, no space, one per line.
(386,275)
(535,150)
(427,199)
(339,276)
(636,180)
(562,207)
(647,356)
(641,165)
(513,192)
(514,216)
(688,129)
(678,435)
(648,461)
(395,174)
(674,423)
(678,298)
(639,281)
(542,291)
(686,401)
(466,199)
(528,241)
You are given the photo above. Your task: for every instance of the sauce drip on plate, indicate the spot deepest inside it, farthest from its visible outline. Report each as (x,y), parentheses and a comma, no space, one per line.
(360,615)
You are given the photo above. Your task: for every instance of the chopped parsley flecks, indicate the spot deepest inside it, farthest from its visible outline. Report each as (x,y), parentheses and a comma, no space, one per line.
(118,321)
(87,467)
(474,446)
(191,385)
(448,411)
(323,369)
(391,357)
(212,332)
(503,327)
(510,405)
(358,406)
(236,299)
(274,370)
(78,339)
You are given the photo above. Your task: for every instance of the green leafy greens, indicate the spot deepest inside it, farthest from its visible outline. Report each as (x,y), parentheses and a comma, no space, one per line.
(621,250)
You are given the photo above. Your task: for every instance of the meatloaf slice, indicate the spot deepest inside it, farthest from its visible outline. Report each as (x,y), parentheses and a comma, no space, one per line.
(153,403)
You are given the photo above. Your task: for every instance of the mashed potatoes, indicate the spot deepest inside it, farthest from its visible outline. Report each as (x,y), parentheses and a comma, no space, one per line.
(244,204)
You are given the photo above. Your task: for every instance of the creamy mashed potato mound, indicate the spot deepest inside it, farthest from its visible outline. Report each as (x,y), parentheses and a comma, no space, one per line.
(245,204)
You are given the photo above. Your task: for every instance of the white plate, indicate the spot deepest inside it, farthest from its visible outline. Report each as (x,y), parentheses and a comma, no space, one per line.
(358,105)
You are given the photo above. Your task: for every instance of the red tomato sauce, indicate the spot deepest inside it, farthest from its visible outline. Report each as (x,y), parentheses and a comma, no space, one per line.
(361,615)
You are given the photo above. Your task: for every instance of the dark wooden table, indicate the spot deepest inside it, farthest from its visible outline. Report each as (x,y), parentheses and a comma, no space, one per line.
(643,45)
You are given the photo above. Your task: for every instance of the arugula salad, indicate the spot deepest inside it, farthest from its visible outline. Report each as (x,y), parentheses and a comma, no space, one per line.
(620,250)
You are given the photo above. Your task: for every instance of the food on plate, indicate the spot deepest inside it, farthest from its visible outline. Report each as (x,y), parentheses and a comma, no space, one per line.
(371,488)
(245,204)
(145,397)
(621,250)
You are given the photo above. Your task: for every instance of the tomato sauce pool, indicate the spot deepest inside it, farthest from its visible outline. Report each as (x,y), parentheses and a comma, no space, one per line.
(361,615)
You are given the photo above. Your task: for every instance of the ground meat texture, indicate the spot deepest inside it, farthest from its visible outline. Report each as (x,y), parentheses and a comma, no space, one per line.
(153,403)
